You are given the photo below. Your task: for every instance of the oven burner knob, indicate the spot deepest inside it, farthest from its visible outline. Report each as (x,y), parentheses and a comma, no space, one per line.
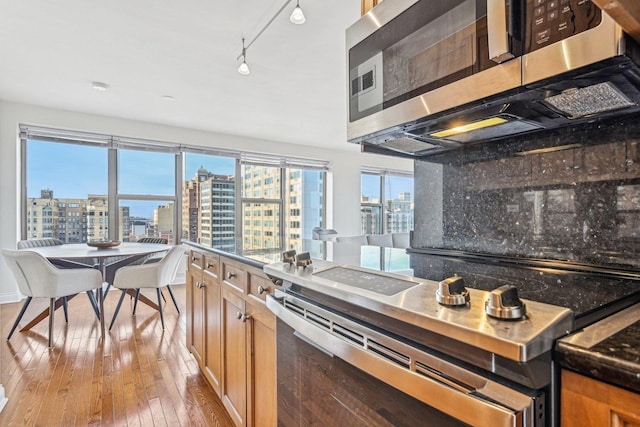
(289,257)
(503,303)
(303,260)
(451,291)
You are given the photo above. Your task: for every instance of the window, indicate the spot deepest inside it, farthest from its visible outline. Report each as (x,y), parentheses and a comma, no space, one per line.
(386,202)
(82,186)
(64,180)
(209,200)
(288,207)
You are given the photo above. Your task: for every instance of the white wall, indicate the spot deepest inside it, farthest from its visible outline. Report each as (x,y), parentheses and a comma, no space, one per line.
(343,191)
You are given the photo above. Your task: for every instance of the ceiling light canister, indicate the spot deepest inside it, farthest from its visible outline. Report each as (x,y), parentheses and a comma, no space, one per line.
(244,68)
(99,86)
(297,16)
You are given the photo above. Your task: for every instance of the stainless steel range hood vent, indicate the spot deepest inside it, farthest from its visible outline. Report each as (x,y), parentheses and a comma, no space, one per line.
(605,89)
(404,106)
(599,98)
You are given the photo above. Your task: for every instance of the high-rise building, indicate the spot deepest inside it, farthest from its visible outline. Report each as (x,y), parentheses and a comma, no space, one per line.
(72,220)
(216,214)
(163,222)
(191,205)
(399,213)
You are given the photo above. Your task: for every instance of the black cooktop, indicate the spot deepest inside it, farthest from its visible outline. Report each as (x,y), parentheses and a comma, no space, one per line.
(590,295)
(366,280)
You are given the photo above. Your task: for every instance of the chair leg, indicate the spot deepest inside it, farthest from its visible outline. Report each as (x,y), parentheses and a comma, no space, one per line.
(135,302)
(115,313)
(160,306)
(65,307)
(94,303)
(101,299)
(22,310)
(52,310)
(173,298)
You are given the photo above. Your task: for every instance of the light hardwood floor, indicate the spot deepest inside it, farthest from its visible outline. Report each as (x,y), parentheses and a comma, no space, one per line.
(139,375)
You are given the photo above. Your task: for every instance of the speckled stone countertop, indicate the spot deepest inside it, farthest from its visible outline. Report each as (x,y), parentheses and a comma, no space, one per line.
(608,350)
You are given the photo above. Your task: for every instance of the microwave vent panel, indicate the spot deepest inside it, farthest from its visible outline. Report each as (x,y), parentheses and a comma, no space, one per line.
(598,98)
(407,145)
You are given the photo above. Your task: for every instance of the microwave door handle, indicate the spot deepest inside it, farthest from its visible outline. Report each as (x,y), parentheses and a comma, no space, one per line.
(498,32)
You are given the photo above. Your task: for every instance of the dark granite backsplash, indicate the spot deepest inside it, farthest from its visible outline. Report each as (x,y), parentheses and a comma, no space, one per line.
(572,195)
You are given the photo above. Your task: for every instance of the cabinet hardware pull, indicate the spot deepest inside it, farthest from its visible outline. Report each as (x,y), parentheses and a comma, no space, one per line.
(262,289)
(245,317)
(239,315)
(231,275)
(209,265)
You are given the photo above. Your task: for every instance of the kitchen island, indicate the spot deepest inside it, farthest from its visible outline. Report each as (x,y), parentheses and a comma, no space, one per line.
(239,294)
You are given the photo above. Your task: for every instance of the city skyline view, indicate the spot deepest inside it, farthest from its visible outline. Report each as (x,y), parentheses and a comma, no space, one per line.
(151,173)
(51,165)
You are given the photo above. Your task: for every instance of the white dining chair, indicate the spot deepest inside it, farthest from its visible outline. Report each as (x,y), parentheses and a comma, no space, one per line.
(62,263)
(38,278)
(153,275)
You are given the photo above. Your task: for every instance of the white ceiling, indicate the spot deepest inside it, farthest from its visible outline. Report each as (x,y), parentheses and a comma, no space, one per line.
(51,51)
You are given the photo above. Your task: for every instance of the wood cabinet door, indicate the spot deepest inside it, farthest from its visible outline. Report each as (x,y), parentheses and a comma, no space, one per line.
(196,319)
(213,337)
(586,402)
(234,348)
(262,376)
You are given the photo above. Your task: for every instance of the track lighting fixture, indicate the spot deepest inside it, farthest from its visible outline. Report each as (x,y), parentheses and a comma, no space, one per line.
(297,17)
(244,68)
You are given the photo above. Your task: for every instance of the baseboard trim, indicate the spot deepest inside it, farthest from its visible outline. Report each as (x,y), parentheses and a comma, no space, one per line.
(10,297)
(3,398)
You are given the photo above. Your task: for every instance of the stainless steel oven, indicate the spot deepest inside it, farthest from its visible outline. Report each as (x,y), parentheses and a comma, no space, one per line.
(446,353)
(337,371)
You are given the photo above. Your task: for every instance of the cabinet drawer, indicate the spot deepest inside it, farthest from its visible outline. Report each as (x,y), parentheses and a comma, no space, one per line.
(212,265)
(196,259)
(259,286)
(234,274)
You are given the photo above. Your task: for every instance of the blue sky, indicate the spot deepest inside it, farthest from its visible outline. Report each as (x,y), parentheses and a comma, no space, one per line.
(74,171)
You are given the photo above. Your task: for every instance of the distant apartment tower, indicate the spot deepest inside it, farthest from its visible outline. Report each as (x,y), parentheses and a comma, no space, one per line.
(163,222)
(191,205)
(399,213)
(305,204)
(261,219)
(369,217)
(72,220)
(216,211)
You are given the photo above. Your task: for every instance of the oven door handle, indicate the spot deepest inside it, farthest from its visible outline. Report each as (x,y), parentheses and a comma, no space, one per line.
(468,404)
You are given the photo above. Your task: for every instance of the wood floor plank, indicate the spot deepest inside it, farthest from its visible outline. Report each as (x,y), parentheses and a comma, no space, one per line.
(139,375)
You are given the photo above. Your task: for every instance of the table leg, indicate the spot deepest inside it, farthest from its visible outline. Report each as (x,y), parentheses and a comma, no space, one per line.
(40,317)
(143,299)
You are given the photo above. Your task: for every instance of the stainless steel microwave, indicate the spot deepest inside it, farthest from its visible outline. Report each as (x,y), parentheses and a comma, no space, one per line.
(429,75)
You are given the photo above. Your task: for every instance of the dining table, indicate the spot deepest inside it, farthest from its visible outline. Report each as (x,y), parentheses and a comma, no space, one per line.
(105,258)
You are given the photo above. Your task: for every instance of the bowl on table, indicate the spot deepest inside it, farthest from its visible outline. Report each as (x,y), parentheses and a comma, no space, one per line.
(103,244)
